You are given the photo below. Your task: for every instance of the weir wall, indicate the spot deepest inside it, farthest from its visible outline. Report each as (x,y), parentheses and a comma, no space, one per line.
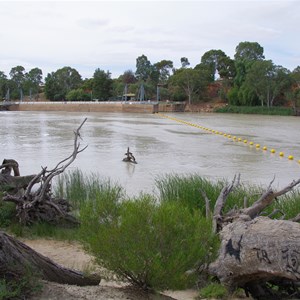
(131,107)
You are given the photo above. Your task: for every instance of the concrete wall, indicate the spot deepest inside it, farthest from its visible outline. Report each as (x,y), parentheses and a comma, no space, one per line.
(83,107)
(131,107)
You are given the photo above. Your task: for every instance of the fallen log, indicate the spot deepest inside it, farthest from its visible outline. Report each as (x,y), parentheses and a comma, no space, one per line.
(16,258)
(259,254)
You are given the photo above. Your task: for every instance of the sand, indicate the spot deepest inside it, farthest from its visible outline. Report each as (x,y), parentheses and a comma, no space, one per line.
(71,255)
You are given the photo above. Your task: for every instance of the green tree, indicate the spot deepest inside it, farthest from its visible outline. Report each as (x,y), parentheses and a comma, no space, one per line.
(59,83)
(184,62)
(268,81)
(3,85)
(187,80)
(212,61)
(246,53)
(143,68)
(17,75)
(249,51)
(294,93)
(164,67)
(33,80)
(102,85)
(78,95)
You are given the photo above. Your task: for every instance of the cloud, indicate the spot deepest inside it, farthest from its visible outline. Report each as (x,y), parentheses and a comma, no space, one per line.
(111,34)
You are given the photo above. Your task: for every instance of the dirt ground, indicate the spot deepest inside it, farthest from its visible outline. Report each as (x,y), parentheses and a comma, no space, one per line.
(71,255)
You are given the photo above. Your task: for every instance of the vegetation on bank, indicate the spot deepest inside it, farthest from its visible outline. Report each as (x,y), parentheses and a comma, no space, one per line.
(247,79)
(261,110)
(155,242)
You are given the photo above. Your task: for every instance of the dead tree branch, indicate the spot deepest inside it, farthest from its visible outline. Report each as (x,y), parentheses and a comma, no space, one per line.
(39,205)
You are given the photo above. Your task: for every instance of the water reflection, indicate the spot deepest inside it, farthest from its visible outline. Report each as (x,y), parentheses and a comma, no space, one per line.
(161,146)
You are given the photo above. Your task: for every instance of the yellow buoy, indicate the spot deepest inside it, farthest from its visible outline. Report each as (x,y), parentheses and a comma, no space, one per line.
(257,145)
(251,143)
(273,150)
(264,148)
(299,161)
(245,141)
(229,136)
(291,157)
(239,139)
(281,154)
(225,134)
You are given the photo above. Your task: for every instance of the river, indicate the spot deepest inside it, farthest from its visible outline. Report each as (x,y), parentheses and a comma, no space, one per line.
(161,146)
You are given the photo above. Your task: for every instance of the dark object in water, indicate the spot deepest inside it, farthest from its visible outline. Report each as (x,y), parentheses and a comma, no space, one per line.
(129,157)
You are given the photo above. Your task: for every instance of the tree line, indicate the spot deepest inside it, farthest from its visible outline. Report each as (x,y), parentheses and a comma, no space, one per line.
(248,79)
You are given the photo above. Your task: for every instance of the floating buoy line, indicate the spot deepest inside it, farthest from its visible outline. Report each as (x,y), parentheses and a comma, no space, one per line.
(229,136)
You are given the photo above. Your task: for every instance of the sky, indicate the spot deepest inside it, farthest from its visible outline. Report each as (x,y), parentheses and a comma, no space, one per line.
(110,35)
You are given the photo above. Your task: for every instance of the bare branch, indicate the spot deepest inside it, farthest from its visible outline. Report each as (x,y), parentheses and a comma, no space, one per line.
(267,198)
(60,169)
(221,202)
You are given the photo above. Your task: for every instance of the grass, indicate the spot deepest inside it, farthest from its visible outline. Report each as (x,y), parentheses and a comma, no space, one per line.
(262,110)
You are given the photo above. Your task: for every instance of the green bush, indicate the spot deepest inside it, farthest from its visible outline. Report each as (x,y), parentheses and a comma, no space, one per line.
(152,245)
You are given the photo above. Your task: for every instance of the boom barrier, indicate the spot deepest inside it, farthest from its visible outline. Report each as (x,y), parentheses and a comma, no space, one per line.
(230,136)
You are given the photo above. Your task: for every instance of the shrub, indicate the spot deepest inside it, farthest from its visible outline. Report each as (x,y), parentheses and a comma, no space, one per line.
(152,245)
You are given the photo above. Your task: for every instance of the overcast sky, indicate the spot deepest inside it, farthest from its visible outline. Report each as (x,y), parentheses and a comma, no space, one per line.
(110,35)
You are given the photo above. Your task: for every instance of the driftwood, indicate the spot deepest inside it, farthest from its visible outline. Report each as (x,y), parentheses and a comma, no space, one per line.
(12,183)
(16,259)
(37,204)
(129,157)
(259,254)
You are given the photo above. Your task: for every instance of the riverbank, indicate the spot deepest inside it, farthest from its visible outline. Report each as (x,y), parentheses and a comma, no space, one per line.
(71,255)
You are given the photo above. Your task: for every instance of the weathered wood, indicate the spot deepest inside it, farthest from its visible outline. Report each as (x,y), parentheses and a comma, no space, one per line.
(16,258)
(258,252)
(39,205)
(129,157)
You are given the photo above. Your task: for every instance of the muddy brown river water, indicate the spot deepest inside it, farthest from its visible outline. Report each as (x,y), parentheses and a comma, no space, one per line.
(161,145)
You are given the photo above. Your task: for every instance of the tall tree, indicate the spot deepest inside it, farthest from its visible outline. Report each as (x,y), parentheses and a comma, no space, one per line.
(246,53)
(249,51)
(33,80)
(212,61)
(268,81)
(17,75)
(187,80)
(164,67)
(3,85)
(59,83)
(102,85)
(143,68)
